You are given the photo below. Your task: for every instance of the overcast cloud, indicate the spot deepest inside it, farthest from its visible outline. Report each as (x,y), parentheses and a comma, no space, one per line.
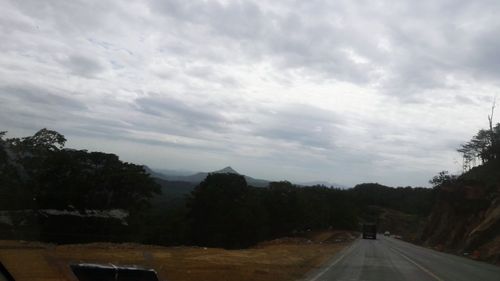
(342,91)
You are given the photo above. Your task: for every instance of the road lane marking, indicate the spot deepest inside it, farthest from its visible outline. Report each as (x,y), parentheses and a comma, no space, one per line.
(348,251)
(418,265)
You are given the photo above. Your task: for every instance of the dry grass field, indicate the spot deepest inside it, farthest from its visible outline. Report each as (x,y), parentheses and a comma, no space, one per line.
(281,259)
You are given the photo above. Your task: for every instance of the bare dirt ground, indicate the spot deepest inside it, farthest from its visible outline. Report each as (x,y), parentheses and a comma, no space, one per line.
(276,260)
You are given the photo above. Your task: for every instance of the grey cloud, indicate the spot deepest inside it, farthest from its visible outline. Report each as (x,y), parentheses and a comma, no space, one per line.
(199,116)
(465,100)
(133,130)
(72,17)
(211,74)
(39,97)
(290,40)
(307,125)
(427,40)
(83,66)
(236,19)
(227,75)
(31,108)
(486,57)
(434,39)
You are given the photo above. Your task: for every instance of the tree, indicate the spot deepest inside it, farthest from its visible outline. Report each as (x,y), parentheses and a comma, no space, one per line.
(283,206)
(443,178)
(53,177)
(483,146)
(221,212)
(495,146)
(45,139)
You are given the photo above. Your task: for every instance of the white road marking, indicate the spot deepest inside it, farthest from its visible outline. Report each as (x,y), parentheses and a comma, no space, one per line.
(430,273)
(332,264)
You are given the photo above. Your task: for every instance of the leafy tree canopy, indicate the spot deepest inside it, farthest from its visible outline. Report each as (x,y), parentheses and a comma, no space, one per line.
(36,172)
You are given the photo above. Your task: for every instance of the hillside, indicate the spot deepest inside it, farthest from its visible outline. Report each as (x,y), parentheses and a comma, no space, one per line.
(405,225)
(50,193)
(172,191)
(466,215)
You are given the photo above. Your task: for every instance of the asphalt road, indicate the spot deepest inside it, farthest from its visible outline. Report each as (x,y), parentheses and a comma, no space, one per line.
(388,259)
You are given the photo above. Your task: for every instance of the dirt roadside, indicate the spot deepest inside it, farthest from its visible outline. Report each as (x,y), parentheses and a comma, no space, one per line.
(276,260)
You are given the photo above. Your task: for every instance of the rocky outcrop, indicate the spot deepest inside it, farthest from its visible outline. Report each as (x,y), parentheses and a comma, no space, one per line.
(466,220)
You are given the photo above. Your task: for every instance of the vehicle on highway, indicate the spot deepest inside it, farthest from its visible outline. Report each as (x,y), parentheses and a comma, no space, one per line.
(369,231)
(387,233)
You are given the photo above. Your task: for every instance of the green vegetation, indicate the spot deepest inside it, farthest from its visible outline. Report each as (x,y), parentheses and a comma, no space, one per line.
(49,191)
(484,146)
(38,173)
(465,214)
(488,174)
(224,211)
(415,201)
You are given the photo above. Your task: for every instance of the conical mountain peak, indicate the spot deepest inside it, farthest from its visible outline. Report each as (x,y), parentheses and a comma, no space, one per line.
(226,170)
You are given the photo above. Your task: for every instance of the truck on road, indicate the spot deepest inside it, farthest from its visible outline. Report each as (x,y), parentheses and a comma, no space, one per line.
(369,231)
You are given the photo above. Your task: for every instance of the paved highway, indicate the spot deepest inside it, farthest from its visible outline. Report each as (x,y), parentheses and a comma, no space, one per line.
(388,259)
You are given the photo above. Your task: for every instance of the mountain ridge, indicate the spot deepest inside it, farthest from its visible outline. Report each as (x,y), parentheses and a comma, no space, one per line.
(324,183)
(196,178)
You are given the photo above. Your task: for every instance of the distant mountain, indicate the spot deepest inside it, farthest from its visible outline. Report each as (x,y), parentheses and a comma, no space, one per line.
(226,170)
(199,177)
(325,183)
(251,181)
(154,173)
(170,172)
(196,178)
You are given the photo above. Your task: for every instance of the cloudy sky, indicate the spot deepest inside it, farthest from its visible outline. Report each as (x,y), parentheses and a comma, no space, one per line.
(342,91)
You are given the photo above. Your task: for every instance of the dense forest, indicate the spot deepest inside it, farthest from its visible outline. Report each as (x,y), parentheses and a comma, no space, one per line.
(39,175)
(51,193)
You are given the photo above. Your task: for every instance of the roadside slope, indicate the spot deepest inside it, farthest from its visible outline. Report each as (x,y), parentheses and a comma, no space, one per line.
(466,216)
(283,259)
